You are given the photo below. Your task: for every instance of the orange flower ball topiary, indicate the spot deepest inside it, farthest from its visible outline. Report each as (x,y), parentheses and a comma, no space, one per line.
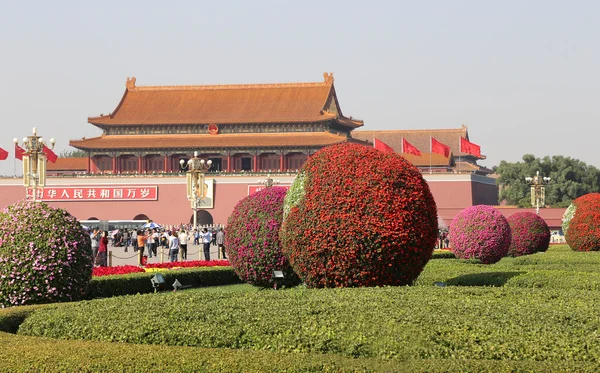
(356,216)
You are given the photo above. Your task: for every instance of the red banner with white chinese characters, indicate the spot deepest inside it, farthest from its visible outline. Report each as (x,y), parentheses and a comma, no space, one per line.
(256,188)
(96,193)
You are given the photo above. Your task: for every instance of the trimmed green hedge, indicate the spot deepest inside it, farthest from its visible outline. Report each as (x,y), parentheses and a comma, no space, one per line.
(139,283)
(29,354)
(442,254)
(391,322)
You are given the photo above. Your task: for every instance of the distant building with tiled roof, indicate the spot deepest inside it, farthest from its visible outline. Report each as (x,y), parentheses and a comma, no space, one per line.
(249,127)
(458,161)
(67,166)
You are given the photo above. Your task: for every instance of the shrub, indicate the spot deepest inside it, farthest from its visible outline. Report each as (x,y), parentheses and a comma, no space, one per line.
(362,218)
(252,240)
(529,233)
(583,232)
(139,283)
(566,218)
(45,255)
(480,232)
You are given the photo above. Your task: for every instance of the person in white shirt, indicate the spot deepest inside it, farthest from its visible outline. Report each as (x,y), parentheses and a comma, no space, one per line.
(183,240)
(206,238)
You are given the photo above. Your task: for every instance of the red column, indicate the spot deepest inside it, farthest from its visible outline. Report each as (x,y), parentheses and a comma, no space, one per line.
(166,168)
(281,162)
(255,162)
(114,164)
(140,160)
(228,162)
(89,163)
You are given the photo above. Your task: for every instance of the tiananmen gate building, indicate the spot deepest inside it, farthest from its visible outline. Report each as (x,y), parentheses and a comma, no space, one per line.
(250,132)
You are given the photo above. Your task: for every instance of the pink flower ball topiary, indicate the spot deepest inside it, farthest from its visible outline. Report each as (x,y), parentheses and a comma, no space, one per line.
(252,239)
(480,232)
(45,255)
(529,232)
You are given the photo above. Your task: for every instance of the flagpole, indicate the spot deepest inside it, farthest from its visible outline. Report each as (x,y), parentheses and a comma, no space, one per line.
(459,151)
(402,146)
(430,150)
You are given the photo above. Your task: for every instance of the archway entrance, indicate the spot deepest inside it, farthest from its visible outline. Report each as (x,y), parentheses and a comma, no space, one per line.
(203,218)
(141,217)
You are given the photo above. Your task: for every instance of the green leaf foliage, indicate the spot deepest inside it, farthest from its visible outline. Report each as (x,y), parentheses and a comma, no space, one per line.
(571,178)
(537,309)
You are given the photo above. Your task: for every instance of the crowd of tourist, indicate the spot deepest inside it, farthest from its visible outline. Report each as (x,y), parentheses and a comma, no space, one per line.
(146,241)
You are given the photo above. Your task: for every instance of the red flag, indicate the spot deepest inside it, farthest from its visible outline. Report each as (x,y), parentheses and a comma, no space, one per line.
(52,157)
(380,145)
(409,148)
(469,147)
(19,152)
(438,147)
(3,154)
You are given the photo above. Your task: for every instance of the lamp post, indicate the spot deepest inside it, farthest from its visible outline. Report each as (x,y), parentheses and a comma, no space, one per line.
(195,181)
(268,182)
(538,190)
(34,162)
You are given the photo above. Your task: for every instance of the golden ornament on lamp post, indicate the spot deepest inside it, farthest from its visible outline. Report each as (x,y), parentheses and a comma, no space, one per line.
(34,163)
(196,168)
(538,190)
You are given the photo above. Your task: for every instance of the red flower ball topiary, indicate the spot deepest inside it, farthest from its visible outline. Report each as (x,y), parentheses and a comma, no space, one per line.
(529,232)
(480,232)
(584,227)
(356,216)
(252,238)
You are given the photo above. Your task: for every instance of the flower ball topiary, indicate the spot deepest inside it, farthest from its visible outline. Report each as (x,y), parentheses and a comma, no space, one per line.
(529,232)
(45,255)
(583,232)
(480,232)
(356,216)
(252,239)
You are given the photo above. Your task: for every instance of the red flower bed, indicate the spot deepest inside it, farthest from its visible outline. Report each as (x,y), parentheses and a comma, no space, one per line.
(357,216)
(584,228)
(191,263)
(119,270)
(530,234)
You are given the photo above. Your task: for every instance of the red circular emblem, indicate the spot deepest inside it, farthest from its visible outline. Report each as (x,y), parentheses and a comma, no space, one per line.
(213,129)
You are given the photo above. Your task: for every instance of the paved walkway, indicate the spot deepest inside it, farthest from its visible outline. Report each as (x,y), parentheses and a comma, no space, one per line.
(120,257)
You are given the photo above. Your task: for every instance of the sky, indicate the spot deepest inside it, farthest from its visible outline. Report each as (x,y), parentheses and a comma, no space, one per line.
(523,76)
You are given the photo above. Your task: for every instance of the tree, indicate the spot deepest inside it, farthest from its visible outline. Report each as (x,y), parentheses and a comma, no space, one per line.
(570,178)
(72,154)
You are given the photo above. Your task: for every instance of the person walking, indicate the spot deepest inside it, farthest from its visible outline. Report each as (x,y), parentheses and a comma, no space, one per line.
(183,240)
(126,239)
(206,239)
(103,250)
(220,243)
(149,243)
(173,247)
(141,243)
(95,237)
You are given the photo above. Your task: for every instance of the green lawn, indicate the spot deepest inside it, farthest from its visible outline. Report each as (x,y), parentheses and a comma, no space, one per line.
(534,313)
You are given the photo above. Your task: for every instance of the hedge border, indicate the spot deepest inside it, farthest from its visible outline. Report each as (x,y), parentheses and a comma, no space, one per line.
(139,283)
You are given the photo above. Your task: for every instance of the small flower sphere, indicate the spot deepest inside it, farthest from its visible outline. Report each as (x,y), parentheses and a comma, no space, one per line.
(252,240)
(45,255)
(583,232)
(480,232)
(529,232)
(357,216)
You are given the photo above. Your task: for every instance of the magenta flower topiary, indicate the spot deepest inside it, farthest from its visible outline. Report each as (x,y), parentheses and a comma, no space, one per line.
(45,255)
(529,232)
(252,238)
(480,232)
(357,216)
